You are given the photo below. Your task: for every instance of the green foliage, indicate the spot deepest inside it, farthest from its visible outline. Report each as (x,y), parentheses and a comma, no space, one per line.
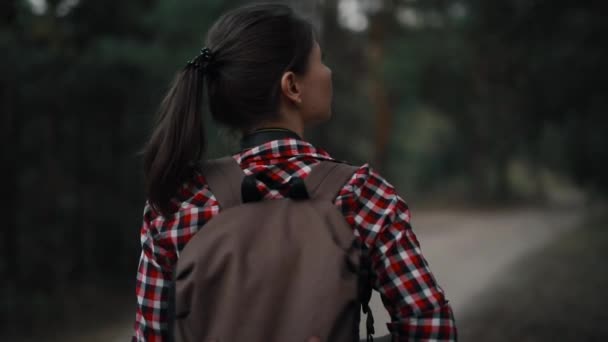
(506,74)
(78,95)
(502,83)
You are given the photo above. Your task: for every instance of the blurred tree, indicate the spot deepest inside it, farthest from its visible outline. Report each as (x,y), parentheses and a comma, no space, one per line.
(78,90)
(346,136)
(10,131)
(516,67)
(381,23)
(429,91)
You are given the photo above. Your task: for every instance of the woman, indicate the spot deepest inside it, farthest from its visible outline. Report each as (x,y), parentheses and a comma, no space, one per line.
(264,76)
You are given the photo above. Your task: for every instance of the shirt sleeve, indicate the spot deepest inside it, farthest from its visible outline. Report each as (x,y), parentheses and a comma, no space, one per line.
(152,286)
(162,239)
(409,291)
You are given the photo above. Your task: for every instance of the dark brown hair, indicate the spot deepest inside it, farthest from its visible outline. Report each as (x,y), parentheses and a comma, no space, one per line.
(251,47)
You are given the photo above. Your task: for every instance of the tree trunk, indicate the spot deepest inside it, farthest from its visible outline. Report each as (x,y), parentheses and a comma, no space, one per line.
(10,131)
(377,89)
(8,12)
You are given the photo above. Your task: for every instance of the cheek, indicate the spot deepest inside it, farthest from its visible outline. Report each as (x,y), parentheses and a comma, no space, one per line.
(320,91)
(327,86)
(325,94)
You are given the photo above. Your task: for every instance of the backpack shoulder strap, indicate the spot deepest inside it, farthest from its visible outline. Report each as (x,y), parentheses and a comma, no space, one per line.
(327,178)
(224,177)
(324,182)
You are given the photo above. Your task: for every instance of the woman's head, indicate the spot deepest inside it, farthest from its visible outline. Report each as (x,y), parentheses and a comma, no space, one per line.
(254,48)
(265,67)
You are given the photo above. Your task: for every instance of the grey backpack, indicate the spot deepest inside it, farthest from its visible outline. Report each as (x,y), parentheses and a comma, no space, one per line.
(280,270)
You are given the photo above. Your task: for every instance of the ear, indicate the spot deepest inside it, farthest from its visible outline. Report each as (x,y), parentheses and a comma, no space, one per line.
(291,88)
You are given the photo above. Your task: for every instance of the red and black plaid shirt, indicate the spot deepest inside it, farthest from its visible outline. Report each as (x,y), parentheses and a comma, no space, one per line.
(379,217)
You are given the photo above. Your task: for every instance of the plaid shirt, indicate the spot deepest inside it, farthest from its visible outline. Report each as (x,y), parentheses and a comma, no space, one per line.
(379,217)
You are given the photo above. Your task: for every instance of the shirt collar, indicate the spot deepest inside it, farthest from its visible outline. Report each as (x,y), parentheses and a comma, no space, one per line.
(262,136)
(283,148)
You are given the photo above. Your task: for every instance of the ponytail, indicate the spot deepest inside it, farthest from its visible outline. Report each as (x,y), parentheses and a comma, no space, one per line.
(252,47)
(177,141)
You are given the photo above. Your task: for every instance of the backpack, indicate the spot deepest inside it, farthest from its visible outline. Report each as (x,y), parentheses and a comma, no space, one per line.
(280,270)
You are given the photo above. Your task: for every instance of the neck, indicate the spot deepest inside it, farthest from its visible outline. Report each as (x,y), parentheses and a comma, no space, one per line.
(293,123)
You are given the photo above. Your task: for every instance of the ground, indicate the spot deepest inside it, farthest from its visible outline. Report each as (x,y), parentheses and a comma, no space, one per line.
(556,293)
(469,252)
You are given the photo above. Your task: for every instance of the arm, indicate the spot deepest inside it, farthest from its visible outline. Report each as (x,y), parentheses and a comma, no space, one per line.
(414,300)
(152,289)
(161,240)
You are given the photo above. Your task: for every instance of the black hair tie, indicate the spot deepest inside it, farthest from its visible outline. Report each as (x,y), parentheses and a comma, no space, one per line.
(202,60)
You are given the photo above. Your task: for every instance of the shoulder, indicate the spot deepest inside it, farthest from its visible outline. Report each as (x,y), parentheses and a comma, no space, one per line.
(366,179)
(371,204)
(194,205)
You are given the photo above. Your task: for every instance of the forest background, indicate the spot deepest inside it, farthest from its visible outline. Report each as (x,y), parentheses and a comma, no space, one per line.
(460,104)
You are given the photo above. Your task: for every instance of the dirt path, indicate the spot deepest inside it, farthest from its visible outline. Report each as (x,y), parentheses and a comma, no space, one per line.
(469,251)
